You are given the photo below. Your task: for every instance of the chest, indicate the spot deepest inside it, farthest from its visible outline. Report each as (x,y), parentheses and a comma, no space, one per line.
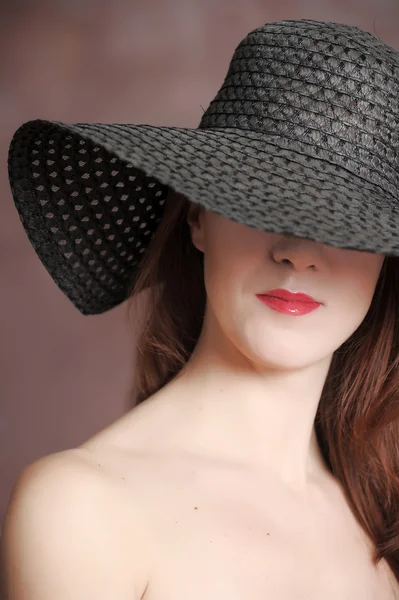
(236,551)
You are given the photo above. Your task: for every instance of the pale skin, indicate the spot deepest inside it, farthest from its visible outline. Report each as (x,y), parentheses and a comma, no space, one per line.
(215,486)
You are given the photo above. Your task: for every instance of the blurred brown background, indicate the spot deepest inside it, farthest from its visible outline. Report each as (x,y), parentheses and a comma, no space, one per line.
(64,376)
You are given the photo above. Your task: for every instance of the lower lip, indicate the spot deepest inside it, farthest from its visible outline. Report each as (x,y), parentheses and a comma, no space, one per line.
(288,307)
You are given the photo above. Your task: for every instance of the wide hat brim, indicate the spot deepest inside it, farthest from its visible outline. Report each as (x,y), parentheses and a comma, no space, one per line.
(90,196)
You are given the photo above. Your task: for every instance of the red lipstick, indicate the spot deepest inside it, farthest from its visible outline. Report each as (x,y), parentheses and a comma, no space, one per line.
(289,303)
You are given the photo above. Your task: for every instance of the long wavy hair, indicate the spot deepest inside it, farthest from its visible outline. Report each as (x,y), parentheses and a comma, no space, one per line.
(357,420)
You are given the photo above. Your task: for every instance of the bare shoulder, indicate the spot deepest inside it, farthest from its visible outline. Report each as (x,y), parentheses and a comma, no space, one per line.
(70,529)
(74,471)
(74,474)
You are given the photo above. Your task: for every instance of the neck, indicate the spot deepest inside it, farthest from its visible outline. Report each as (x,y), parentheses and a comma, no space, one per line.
(260,416)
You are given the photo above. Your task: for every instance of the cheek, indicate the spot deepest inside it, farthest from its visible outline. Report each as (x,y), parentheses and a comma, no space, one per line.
(225,276)
(356,285)
(221,281)
(227,264)
(348,308)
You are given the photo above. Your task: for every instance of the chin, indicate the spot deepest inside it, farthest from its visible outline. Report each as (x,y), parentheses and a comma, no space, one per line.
(279,357)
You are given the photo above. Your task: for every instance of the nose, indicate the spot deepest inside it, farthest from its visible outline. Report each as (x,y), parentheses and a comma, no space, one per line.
(297,253)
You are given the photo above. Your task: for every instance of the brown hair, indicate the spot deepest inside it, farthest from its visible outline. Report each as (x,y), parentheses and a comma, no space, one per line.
(357,421)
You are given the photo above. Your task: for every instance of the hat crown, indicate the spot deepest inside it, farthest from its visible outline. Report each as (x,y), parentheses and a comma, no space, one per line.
(327,85)
(281,61)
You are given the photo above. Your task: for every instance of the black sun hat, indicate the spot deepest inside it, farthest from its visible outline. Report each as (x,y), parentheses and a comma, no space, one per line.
(302,138)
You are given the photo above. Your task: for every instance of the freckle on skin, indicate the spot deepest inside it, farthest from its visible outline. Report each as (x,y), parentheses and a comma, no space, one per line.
(195,507)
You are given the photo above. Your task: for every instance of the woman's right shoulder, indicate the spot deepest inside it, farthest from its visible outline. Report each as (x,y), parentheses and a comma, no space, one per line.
(68,532)
(51,474)
(54,467)
(55,477)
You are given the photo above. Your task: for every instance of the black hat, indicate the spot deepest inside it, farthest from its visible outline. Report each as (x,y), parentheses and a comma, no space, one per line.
(302,138)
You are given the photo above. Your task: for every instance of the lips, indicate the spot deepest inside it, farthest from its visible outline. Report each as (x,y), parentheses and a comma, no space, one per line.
(289,308)
(290,296)
(289,303)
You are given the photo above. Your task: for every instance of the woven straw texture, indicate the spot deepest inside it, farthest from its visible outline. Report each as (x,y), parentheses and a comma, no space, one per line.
(302,138)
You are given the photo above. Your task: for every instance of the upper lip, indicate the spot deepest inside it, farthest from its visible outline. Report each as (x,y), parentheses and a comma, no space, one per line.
(290,296)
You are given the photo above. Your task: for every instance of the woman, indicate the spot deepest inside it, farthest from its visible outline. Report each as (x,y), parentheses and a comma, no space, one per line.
(262,459)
